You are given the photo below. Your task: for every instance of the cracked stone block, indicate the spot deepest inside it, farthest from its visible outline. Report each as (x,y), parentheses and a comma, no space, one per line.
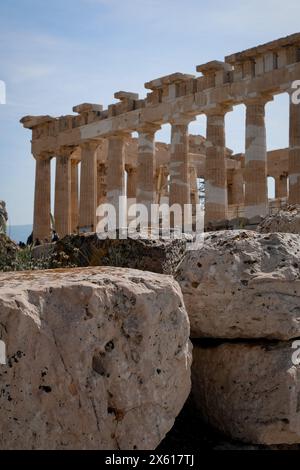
(159,256)
(243,284)
(249,392)
(97,358)
(286,221)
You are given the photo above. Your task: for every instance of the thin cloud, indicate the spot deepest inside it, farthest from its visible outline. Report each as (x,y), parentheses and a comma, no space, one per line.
(30,72)
(193,16)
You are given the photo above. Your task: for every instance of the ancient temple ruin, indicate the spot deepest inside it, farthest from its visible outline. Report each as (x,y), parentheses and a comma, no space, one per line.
(101,142)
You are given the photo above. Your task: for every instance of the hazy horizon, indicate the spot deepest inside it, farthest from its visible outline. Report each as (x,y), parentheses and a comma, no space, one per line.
(19,233)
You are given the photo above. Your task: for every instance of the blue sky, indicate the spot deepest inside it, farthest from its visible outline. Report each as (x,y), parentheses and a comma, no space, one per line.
(57,54)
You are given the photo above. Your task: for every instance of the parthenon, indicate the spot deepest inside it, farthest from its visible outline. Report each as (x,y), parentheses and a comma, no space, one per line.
(101,141)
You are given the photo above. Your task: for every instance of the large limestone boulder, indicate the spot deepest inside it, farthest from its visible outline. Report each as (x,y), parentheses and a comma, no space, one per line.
(159,256)
(97,358)
(285,221)
(249,392)
(242,284)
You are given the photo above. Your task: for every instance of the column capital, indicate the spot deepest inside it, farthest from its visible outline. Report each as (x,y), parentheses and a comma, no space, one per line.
(122,135)
(45,155)
(219,110)
(148,128)
(130,169)
(90,144)
(258,99)
(65,151)
(181,119)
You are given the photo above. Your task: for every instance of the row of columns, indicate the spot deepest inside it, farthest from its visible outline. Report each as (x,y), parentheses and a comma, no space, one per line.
(255,172)
(68,214)
(141,182)
(95,188)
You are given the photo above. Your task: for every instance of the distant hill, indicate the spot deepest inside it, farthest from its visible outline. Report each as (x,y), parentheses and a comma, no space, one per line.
(19,233)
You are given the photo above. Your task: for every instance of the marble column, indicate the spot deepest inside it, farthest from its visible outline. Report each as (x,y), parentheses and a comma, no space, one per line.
(179,165)
(146,168)
(116,174)
(161,183)
(216,198)
(164,183)
(62,207)
(294,153)
(194,187)
(88,187)
(281,186)
(131,183)
(101,184)
(74,196)
(255,174)
(237,188)
(42,198)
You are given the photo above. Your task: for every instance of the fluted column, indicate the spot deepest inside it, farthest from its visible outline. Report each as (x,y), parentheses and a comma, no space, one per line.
(62,208)
(146,167)
(88,187)
(164,186)
(42,198)
(131,183)
(179,163)
(101,184)
(216,198)
(237,190)
(294,153)
(255,174)
(116,172)
(74,195)
(194,187)
(281,186)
